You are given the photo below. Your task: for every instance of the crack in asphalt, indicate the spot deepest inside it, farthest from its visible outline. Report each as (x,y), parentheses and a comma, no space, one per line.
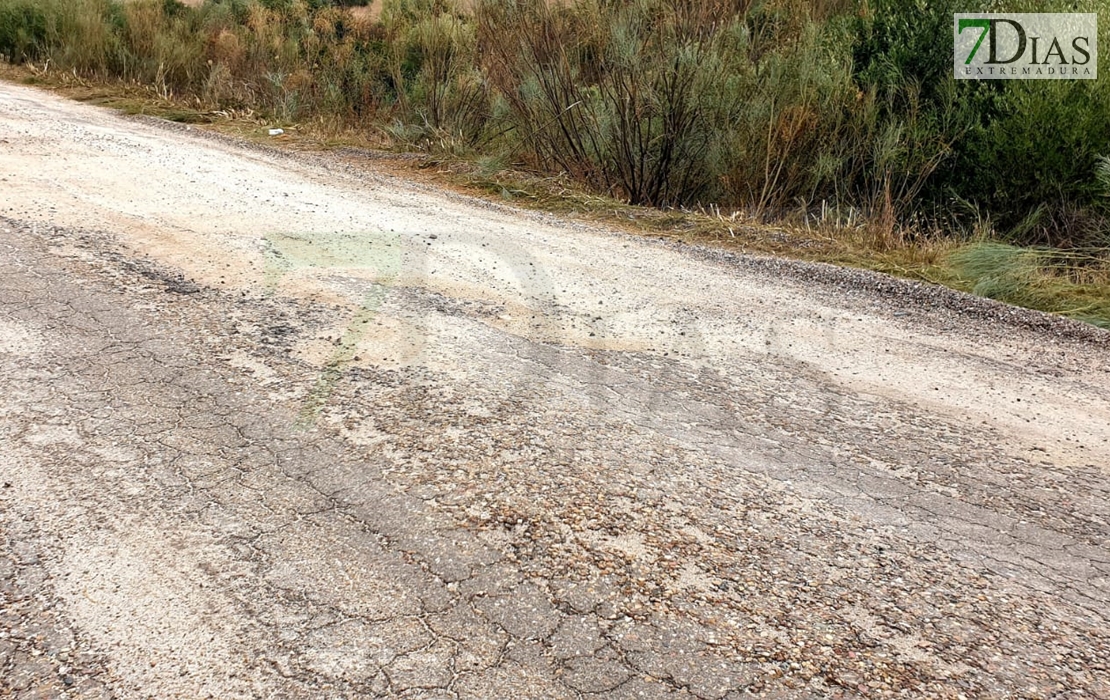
(292,516)
(507,503)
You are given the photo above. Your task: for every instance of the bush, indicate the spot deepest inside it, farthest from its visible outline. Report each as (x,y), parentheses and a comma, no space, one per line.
(23,30)
(629,98)
(442,95)
(1022,151)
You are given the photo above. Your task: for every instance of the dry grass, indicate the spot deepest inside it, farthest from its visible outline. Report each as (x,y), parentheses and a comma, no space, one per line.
(369,12)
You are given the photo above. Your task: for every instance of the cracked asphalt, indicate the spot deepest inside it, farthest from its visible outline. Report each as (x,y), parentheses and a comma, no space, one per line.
(279,425)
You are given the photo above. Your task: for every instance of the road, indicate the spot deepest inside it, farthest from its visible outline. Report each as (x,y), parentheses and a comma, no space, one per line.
(285,425)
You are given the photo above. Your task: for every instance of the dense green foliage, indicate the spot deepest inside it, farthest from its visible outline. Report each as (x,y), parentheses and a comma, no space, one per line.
(1023,152)
(776,108)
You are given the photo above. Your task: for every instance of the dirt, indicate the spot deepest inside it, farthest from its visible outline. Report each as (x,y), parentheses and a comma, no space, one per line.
(284,424)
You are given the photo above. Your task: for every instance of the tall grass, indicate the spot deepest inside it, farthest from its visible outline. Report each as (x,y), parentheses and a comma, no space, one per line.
(629,99)
(1043,279)
(771,108)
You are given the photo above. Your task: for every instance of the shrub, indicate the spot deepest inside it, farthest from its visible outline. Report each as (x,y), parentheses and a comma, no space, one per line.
(442,95)
(1024,151)
(24,29)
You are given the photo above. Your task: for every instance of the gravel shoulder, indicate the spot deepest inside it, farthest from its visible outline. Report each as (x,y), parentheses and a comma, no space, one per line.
(278,425)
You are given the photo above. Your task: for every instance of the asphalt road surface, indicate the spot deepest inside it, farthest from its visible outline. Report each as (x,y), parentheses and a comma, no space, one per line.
(278,425)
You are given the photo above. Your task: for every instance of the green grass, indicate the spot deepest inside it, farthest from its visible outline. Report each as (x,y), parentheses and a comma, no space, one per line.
(1034,278)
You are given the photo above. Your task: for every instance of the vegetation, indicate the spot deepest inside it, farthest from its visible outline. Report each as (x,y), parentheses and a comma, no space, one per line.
(835,115)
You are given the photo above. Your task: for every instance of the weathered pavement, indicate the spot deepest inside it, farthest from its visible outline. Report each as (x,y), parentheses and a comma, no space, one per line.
(272,426)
